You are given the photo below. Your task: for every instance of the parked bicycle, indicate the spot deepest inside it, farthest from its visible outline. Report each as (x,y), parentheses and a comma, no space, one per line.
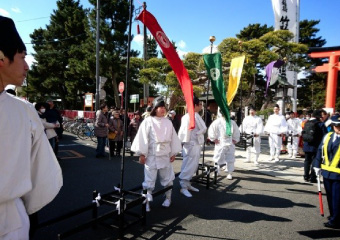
(86,131)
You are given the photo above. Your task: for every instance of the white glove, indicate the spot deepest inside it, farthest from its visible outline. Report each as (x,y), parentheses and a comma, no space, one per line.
(328,122)
(317,171)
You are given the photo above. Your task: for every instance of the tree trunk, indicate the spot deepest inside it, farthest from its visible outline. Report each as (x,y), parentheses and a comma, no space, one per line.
(115,90)
(265,104)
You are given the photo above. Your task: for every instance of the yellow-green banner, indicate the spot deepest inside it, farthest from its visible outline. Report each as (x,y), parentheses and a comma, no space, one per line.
(234,77)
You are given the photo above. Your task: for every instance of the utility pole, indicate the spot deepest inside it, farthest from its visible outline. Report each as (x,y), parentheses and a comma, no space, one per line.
(145,47)
(97,56)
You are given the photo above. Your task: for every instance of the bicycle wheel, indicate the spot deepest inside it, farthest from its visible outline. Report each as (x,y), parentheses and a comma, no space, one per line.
(92,136)
(87,132)
(83,133)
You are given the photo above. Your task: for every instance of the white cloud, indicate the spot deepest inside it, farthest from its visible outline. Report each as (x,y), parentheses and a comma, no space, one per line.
(181,53)
(16,10)
(138,39)
(4,13)
(30,60)
(137,43)
(181,44)
(208,49)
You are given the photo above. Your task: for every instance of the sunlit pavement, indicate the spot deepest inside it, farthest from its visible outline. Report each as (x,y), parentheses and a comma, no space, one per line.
(273,205)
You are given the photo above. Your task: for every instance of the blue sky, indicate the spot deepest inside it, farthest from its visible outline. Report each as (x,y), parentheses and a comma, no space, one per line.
(187,22)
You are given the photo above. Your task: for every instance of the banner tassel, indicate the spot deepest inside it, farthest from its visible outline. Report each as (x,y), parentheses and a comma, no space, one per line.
(138,29)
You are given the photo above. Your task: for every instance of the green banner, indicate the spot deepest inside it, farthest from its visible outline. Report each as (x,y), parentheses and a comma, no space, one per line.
(213,63)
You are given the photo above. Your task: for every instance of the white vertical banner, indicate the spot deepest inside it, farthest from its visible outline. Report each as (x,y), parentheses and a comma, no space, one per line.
(287,17)
(286,13)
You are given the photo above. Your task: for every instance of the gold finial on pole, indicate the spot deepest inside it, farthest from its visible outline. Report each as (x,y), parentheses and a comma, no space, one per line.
(212,40)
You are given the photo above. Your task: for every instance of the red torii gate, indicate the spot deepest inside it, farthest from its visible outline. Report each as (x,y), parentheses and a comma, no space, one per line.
(332,67)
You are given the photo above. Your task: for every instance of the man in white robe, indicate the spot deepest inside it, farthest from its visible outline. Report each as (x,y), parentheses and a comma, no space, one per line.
(253,125)
(294,132)
(224,152)
(157,145)
(276,126)
(192,141)
(30,176)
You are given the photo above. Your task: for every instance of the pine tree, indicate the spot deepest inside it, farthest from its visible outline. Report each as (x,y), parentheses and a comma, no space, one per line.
(151,48)
(311,90)
(114,21)
(61,69)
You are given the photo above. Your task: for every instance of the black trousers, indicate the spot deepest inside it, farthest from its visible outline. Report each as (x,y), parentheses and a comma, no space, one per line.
(309,172)
(332,188)
(115,147)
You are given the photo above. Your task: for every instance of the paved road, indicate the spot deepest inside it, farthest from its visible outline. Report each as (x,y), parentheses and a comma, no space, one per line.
(269,201)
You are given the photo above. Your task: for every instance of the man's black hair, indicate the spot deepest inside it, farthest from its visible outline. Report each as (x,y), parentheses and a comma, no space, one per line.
(316,114)
(196,101)
(11,91)
(102,106)
(10,41)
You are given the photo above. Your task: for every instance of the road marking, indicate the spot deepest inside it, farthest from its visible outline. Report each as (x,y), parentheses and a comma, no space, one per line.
(74,144)
(67,154)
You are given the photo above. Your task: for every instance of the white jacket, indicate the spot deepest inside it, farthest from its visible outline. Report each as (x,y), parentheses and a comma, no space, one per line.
(294,126)
(217,131)
(252,125)
(49,128)
(276,124)
(156,137)
(29,169)
(184,133)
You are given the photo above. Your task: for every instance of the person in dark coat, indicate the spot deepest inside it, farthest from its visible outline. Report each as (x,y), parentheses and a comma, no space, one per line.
(208,119)
(174,119)
(53,115)
(311,149)
(124,115)
(327,164)
(116,125)
(133,127)
(100,130)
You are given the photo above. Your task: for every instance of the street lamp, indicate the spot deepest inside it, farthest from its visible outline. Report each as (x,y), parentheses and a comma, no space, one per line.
(212,40)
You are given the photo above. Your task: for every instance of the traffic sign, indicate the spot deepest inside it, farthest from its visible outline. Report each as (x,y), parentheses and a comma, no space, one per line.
(102,94)
(134,98)
(121,87)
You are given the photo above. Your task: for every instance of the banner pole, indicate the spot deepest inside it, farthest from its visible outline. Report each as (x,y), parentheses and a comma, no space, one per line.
(212,40)
(126,100)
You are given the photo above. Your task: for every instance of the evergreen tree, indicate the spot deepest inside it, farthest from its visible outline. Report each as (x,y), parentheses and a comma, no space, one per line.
(114,20)
(151,48)
(253,31)
(311,89)
(259,52)
(60,70)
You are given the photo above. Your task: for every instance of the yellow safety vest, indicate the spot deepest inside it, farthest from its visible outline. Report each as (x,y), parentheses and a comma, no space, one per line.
(333,165)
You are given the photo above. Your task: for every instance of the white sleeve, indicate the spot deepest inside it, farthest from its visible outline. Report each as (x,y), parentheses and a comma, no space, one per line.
(259,126)
(140,144)
(46,173)
(236,132)
(212,131)
(176,145)
(284,125)
(243,125)
(47,125)
(183,133)
(299,129)
(267,127)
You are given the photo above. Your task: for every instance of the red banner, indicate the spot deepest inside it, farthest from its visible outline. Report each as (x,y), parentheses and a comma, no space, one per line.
(175,62)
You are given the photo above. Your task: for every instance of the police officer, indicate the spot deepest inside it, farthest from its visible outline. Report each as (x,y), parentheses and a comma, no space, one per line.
(328,159)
